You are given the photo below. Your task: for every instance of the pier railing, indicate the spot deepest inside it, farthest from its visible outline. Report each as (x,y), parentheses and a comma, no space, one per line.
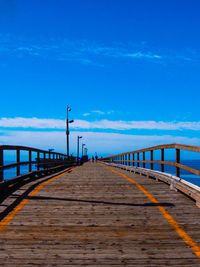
(46,161)
(131,161)
(134,157)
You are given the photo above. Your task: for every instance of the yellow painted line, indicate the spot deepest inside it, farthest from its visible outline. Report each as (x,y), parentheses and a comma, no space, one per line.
(185,237)
(11,215)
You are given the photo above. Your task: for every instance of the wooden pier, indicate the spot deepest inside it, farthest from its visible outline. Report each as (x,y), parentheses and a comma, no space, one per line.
(94,215)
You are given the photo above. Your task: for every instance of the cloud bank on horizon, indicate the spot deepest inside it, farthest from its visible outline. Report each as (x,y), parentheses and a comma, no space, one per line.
(50,133)
(100,142)
(37,123)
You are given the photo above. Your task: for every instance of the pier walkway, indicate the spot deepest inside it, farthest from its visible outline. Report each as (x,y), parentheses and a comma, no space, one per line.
(99,216)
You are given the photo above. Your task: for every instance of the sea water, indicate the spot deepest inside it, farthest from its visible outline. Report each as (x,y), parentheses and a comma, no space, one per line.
(192,178)
(185,175)
(12,172)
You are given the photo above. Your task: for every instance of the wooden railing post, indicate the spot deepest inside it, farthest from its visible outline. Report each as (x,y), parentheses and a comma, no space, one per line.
(136,158)
(126,163)
(151,159)
(33,156)
(162,159)
(1,164)
(30,159)
(177,161)
(38,159)
(18,161)
(144,159)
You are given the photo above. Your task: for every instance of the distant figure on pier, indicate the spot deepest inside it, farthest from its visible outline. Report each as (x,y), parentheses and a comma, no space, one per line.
(92,159)
(96,158)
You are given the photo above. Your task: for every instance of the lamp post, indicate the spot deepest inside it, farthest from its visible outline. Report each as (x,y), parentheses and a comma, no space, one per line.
(67,129)
(82,149)
(78,137)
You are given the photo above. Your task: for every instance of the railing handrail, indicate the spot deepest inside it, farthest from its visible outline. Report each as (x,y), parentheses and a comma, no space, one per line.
(164,146)
(42,157)
(125,158)
(25,148)
(171,163)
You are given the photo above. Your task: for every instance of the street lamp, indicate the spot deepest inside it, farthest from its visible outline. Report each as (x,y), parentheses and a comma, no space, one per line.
(82,149)
(67,129)
(78,137)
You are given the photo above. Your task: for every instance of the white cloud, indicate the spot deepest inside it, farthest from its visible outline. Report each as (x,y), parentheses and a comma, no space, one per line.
(98,112)
(119,52)
(110,112)
(102,143)
(98,124)
(71,50)
(32,123)
(85,52)
(143,55)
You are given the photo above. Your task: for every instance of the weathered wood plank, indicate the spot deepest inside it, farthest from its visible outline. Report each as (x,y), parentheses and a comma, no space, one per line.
(93,216)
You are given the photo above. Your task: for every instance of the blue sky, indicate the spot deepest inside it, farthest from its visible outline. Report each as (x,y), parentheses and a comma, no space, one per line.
(129,69)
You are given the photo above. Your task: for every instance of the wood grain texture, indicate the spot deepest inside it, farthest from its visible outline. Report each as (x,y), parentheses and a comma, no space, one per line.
(164,146)
(93,216)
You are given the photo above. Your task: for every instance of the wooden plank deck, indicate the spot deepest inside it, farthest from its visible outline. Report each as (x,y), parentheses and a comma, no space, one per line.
(93,216)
